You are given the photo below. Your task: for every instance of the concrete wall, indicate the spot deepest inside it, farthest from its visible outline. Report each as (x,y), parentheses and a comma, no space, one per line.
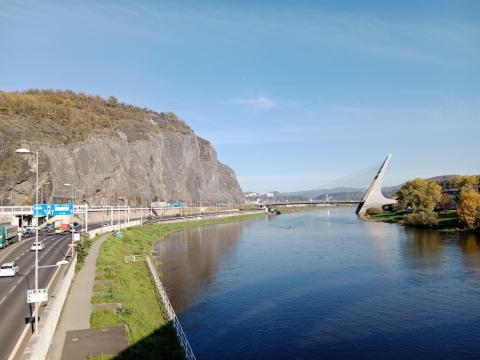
(37,347)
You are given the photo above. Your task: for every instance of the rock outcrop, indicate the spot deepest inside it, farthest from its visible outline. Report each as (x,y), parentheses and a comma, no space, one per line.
(127,163)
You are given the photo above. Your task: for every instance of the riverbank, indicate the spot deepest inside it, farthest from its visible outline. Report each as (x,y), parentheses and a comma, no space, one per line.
(446,221)
(148,332)
(291,209)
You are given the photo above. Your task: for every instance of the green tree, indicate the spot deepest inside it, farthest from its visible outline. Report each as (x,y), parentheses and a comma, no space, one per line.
(419,194)
(469,208)
(461,182)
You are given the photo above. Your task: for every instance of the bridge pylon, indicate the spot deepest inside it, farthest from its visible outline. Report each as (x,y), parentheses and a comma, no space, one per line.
(373,197)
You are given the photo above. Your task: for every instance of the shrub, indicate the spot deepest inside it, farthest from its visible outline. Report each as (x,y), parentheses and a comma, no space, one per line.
(469,208)
(425,218)
(82,249)
(374,211)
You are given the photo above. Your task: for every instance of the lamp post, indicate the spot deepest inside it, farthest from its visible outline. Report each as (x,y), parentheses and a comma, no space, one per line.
(27,151)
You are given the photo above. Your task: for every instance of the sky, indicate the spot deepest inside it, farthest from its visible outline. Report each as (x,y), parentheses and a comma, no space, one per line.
(293,94)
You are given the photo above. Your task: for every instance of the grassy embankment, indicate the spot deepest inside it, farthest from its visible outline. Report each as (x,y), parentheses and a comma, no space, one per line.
(447,220)
(130,285)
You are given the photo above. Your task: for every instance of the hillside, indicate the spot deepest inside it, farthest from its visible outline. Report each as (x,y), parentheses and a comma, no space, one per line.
(65,117)
(346,193)
(114,153)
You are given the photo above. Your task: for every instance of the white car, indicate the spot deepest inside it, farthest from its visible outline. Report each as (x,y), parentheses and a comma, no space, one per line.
(9,269)
(37,246)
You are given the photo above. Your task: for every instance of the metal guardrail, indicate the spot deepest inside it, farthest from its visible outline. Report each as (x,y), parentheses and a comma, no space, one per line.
(182,338)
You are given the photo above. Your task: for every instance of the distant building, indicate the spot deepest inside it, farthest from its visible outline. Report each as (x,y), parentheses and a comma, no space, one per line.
(251,195)
(269,195)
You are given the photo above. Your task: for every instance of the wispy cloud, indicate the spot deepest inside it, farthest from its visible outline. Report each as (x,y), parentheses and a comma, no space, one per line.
(259,102)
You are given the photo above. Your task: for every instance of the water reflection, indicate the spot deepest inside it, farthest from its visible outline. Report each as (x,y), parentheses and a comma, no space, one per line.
(470,245)
(191,259)
(324,285)
(423,249)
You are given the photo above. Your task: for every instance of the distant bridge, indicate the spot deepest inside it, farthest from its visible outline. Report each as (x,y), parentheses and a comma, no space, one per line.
(297,203)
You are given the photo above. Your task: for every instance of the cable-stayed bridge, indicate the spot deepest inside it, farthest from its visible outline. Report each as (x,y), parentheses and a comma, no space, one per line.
(364,187)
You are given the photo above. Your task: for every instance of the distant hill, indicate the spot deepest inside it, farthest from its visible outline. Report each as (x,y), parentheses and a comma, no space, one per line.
(346,193)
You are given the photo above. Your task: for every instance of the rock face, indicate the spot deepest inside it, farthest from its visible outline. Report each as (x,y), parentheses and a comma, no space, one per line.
(117,168)
(111,170)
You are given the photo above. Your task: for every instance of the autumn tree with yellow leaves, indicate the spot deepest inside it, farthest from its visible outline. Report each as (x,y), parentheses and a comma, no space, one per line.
(469,208)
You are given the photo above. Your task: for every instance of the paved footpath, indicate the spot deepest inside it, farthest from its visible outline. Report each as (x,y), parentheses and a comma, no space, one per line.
(78,307)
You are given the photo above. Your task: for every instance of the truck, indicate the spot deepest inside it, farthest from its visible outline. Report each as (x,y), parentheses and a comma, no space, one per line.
(63,228)
(8,235)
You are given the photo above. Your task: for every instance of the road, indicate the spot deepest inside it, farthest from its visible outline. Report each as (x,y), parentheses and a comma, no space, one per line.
(14,310)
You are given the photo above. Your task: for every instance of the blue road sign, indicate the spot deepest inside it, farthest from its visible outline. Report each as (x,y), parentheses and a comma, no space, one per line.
(176,204)
(61,209)
(40,210)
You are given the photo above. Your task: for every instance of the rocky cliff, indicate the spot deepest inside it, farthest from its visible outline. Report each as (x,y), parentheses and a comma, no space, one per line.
(113,153)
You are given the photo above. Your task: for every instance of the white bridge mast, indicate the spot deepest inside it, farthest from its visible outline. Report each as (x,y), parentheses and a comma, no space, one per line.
(373,197)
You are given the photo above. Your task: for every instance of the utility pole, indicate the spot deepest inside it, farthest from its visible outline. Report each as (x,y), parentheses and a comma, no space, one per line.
(27,151)
(86,218)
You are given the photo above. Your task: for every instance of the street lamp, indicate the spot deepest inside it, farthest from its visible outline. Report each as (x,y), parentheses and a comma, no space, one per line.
(35,208)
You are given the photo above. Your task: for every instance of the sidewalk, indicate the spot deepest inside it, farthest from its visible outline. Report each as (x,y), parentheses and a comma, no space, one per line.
(78,307)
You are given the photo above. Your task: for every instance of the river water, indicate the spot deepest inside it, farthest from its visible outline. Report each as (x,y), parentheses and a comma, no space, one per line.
(324,285)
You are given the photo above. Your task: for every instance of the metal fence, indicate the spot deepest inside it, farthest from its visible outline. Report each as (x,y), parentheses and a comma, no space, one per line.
(182,338)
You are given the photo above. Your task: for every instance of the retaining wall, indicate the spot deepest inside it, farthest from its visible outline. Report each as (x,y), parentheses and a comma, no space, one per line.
(37,347)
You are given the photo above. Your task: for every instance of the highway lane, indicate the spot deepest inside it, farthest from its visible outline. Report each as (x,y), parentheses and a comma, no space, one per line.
(15,313)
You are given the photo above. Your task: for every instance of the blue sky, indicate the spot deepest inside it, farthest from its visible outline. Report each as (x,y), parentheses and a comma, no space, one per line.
(293,94)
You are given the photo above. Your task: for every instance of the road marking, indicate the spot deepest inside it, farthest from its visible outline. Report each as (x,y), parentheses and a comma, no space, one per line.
(4,298)
(44,253)
(27,326)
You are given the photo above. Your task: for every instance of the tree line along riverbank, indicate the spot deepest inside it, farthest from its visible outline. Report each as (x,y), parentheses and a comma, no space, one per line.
(452,205)
(149,333)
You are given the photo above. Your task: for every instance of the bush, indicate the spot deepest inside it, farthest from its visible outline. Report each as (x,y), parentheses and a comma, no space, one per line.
(374,211)
(82,247)
(469,208)
(425,218)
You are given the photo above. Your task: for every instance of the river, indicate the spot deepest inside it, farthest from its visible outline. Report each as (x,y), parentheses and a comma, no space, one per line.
(324,285)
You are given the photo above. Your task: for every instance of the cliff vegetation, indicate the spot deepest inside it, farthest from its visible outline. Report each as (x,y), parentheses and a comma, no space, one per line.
(55,116)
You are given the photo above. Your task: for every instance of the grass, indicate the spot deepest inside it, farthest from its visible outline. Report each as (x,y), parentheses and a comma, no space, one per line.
(142,312)
(447,220)
(68,117)
(101,357)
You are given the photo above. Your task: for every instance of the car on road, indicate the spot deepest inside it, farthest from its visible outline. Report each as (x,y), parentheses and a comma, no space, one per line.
(75,227)
(9,269)
(49,229)
(28,233)
(37,246)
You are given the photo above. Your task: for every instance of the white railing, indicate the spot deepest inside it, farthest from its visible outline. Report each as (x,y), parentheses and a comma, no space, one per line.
(133,258)
(182,338)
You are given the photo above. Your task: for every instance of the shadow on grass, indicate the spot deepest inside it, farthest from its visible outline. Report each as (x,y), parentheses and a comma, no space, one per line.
(161,344)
